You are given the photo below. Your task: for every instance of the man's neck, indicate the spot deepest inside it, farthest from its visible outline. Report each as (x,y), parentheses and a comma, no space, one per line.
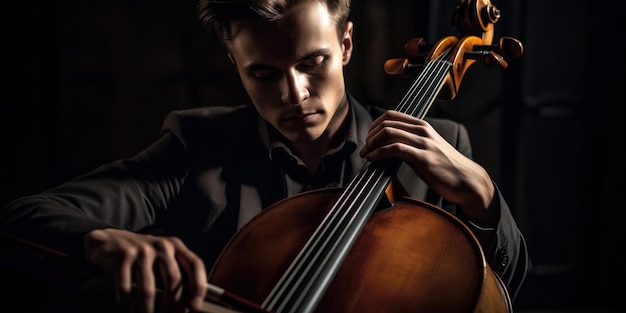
(311,153)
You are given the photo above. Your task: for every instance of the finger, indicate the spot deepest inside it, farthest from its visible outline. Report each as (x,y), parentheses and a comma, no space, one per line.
(163,296)
(170,274)
(145,279)
(389,115)
(415,126)
(394,143)
(123,275)
(393,131)
(195,271)
(392,115)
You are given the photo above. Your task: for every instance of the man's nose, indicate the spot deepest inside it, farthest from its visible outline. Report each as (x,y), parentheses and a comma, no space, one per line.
(295,88)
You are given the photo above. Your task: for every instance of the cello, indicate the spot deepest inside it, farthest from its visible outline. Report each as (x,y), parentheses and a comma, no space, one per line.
(336,250)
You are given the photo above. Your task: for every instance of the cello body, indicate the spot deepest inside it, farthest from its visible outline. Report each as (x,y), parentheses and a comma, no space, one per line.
(409,257)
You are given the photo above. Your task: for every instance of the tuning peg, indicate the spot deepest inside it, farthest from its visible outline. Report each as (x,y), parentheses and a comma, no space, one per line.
(416,47)
(509,48)
(487,57)
(493,58)
(400,67)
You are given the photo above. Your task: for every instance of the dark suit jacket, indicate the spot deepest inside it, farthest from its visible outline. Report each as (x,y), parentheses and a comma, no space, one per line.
(192,181)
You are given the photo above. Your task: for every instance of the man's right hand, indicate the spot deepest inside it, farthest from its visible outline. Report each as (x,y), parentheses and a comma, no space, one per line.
(135,260)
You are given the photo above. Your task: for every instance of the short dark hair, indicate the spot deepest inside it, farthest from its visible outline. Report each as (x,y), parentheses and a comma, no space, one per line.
(216,15)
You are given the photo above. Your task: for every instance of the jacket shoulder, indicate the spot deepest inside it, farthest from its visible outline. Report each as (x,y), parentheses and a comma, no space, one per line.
(217,126)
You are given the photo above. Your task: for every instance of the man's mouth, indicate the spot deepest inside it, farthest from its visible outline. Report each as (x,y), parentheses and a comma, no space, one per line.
(300,116)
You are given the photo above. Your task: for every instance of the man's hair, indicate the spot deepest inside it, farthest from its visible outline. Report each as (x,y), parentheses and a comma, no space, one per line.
(216,15)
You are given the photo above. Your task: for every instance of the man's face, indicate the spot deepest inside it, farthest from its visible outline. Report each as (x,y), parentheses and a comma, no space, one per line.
(293,71)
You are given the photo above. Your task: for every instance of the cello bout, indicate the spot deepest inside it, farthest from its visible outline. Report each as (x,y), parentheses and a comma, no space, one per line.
(410,257)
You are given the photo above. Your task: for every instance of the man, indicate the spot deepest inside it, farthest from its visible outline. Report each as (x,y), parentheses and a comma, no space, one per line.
(214,168)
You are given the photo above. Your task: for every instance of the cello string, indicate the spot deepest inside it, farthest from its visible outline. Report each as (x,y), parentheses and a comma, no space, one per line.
(421,105)
(287,281)
(332,218)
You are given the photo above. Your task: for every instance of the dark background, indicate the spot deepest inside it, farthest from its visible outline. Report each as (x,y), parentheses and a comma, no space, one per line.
(87,82)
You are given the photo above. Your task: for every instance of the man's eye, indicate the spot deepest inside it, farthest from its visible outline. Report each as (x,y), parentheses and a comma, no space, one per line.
(264,74)
(316,61)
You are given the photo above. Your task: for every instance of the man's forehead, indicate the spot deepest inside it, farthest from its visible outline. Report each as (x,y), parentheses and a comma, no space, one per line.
(307,29)
(300,17)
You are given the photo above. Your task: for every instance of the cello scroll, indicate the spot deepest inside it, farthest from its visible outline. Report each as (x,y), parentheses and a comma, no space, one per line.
(474,19)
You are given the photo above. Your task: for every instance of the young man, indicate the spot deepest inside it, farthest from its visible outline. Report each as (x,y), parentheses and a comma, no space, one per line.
(214,168)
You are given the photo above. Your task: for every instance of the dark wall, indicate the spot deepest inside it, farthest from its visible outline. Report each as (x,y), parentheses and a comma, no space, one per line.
(87,82)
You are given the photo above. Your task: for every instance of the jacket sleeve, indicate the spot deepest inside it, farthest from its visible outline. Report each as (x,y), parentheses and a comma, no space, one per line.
(507,255)
(125,194)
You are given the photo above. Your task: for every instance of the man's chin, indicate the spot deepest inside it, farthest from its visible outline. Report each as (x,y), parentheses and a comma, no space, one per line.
(302,137)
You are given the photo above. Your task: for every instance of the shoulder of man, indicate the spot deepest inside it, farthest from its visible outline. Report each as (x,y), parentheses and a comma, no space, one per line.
(211,125)
(216,115)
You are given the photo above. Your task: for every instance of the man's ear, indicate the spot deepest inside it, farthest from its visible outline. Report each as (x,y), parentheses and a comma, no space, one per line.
(346,43)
